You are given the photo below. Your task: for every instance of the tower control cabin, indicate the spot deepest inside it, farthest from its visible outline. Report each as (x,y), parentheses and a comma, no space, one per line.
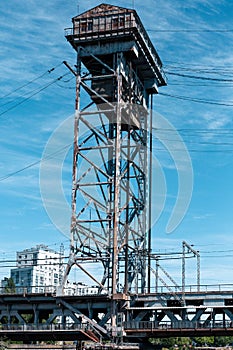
(107,30)
(118,69)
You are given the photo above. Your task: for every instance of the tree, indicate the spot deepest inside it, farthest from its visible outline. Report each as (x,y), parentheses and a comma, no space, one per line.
(171,343)
(10,286)
(223,341)
(182,343)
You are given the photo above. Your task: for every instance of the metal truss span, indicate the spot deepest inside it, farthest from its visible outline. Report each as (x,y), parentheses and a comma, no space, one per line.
(87,318)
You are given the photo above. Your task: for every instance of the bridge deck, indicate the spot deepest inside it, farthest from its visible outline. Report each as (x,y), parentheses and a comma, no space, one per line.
(47,316)
(27,334)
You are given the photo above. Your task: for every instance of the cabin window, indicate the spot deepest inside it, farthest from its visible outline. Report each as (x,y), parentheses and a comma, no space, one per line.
(115,23)
(121,21)
(127,21)
(108,23)
(102,24)
(76,27)
(90,26)
(83,26)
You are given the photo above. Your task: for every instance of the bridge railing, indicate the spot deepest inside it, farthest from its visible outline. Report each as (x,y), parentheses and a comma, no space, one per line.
(45,327)
(95,291)
(192,288)
(150,325)
(51,290)
(129,325)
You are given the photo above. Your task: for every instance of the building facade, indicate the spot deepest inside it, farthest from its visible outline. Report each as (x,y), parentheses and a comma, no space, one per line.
(38,270)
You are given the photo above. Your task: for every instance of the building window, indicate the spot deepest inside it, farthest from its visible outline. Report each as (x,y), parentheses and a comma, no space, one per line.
(17,277)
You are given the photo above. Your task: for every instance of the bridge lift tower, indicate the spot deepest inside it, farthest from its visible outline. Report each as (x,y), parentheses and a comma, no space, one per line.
(118,71)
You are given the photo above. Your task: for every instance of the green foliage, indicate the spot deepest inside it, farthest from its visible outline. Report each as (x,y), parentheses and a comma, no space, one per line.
(204,341)
(182,343)
(28,318)
(170,343)
(10,286)
(3,344)
(213,341)
(223,341)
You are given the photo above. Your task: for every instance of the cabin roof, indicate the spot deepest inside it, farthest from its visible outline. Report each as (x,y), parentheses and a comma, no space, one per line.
(102,9)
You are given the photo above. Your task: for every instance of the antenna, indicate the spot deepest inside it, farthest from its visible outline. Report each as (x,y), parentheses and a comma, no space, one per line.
(78,8)
(133,4)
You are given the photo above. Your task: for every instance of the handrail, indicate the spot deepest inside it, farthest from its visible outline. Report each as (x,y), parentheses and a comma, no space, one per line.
(165,325)
(193,288)
(45,327)
(52,290)
(107,28)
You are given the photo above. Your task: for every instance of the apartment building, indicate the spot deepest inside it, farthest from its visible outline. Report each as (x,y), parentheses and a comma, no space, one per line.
(38,270)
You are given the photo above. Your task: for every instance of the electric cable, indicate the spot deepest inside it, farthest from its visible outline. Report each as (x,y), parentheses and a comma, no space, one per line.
(155,148)
(204,30)
(33,164)
(198,77)
(197,100)
(34,93)
(29,82)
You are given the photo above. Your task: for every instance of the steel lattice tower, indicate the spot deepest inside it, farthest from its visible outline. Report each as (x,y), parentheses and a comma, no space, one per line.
(117,71)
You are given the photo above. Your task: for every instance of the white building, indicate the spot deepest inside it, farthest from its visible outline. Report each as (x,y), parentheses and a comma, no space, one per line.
(80,288)
(38,270)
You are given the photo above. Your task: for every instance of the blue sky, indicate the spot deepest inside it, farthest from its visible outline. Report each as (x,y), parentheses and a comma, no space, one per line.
(194,41)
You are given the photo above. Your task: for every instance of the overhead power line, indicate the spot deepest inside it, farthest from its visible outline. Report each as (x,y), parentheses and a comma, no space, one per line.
(34,93)
(191,30)
(33,164)
(30,82)
(199,65)
(199,77)
(198,100)
(222,132)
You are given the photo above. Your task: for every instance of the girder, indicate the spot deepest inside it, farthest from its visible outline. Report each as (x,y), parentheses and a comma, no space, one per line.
(26,317)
